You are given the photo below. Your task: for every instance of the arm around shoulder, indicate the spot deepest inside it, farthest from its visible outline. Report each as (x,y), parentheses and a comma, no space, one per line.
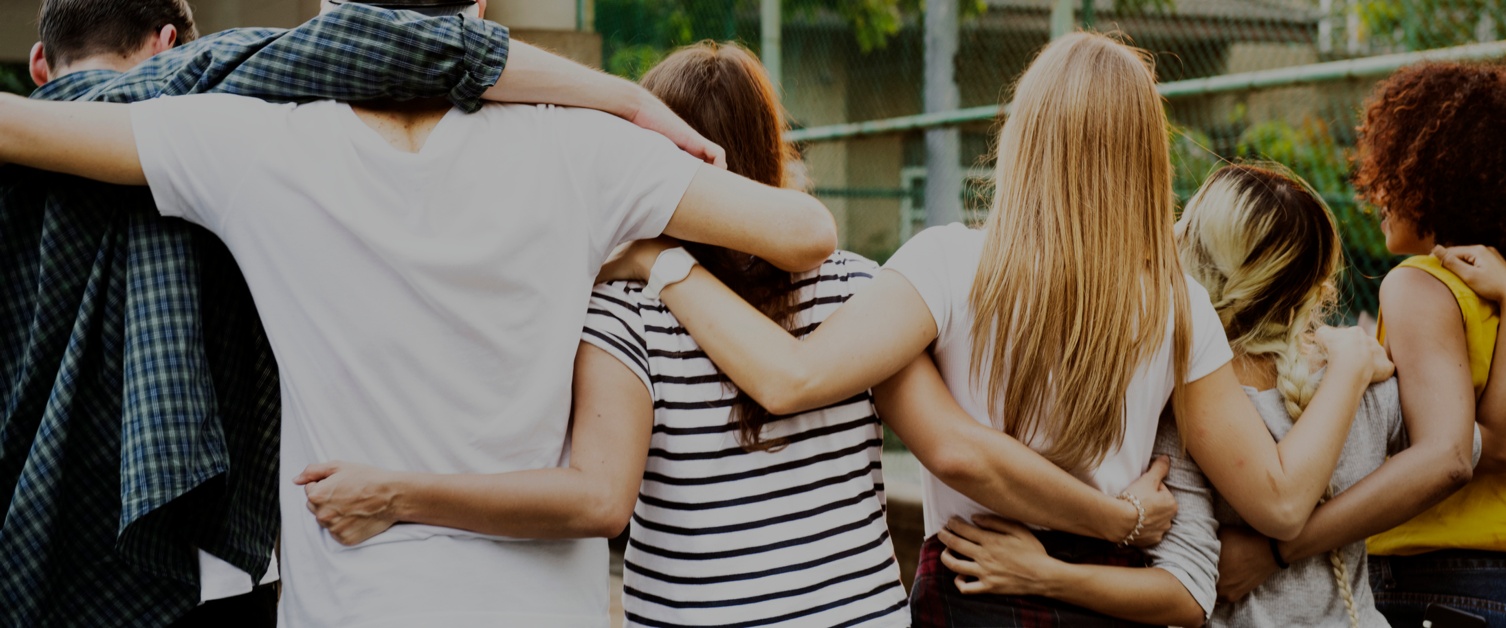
(91,140)
(789,229)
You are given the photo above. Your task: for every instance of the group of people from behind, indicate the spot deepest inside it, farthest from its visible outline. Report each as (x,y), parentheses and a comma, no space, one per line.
(1125,417)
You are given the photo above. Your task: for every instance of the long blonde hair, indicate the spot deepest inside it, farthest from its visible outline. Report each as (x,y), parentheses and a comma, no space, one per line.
(1267,249)
(1079,257)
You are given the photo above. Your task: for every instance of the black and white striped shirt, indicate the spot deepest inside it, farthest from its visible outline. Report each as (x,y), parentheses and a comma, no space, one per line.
(723,536)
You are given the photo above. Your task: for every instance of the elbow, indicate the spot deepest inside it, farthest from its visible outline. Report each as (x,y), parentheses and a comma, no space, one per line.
(791,393)
(1283,520)
(605,514)
(1457,467)
(1191,617)
(957,466)
(813,240)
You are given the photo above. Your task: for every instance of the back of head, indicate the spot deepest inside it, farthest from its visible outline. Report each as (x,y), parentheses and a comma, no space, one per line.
(1078,256)
(77,29)
(1268,250)
(723,92)
(1430,151)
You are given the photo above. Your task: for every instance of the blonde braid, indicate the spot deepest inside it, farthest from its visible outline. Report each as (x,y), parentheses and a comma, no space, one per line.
(1238,207)
(1341,576)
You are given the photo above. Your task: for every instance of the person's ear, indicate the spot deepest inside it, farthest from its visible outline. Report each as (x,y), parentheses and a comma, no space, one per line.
(40,71)
(481,6)
(165,39)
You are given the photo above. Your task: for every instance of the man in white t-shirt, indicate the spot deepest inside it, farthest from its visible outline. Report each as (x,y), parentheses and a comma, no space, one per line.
(423,278)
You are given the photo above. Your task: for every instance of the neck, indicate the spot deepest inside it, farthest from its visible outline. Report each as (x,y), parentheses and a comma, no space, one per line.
(405,125)
(100,62)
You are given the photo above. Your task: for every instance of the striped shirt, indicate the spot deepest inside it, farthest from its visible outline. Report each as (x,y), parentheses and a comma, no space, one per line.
(724,536)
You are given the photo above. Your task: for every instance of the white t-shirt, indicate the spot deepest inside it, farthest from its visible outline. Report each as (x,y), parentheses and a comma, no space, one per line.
(424,309)
(941,263)
(219,579)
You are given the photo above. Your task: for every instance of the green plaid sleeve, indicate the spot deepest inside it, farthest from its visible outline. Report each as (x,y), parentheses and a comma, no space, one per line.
(357,52)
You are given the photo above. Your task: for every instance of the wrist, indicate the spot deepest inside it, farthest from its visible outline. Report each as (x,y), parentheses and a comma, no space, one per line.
(1056,578)
(1121,521)
(401,489)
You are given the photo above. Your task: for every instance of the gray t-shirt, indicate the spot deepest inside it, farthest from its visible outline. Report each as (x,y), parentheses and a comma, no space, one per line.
(1307,594)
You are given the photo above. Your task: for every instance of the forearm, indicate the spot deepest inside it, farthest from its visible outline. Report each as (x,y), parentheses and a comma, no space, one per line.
(1405,485)
(1147,595)
(841,358)
(1018,483)
(541,503)
(93,140)
(535,76)
(1310,451)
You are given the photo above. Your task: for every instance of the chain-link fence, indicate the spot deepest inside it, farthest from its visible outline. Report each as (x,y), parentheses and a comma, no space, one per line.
(847,61)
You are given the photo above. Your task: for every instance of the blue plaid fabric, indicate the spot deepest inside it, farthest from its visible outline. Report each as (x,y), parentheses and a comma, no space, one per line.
(139,407)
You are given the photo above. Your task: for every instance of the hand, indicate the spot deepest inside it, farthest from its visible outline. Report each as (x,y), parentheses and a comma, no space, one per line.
(1160,506)
(353,501)
(1003,557)
(654,115)
(633,261)
(1479,266)
(1244,562)
(1351,347)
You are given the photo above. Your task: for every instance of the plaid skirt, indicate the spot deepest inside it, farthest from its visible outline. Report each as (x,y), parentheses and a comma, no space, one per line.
(935,600)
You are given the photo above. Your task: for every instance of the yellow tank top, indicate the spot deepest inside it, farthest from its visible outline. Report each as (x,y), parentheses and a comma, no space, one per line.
(1474,517)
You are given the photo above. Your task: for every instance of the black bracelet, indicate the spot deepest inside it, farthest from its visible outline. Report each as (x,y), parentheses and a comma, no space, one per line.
(1276,554)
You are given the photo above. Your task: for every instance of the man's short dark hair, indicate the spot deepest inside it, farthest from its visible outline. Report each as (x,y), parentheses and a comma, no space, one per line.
(77,29)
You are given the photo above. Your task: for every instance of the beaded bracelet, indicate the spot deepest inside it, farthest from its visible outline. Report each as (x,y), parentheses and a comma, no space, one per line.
(1139,517)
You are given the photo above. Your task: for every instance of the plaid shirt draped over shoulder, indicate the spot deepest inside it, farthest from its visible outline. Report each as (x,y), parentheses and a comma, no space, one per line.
(139,404)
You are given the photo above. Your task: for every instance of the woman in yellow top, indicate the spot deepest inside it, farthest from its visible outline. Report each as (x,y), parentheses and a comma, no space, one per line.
(1432,154)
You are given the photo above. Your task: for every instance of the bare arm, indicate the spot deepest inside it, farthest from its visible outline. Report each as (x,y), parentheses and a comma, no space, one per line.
(839,359)
(1005,558)
(789,229)
(594,496)
(1276,486)
(536,76)
(1485,271)
(1001,473)
(91,140)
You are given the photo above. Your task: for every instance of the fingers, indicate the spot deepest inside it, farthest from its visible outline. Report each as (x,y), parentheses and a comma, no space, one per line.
(315,472)
(970,587)
(1159,467)
(715,155)
(961,566)
(957,543)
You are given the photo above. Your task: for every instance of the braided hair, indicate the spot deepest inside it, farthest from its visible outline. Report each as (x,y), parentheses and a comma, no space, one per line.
(1266,247)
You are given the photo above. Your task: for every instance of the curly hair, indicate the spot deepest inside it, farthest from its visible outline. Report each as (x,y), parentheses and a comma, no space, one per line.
(1431,151)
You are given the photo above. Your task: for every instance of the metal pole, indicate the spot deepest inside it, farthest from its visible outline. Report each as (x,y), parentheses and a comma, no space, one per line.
(1061,18)
(1368,67)
(770,47)
(943,145)
(580,16)
(1089,14)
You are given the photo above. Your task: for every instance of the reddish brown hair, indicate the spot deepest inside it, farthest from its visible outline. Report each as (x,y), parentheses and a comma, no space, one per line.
(1432,151)
(722,91)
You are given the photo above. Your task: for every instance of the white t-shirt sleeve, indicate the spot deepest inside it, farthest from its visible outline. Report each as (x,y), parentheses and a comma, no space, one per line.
(196,150)
(1189,551)
(926,262)
(614,325)
(1210,345)
(630,180)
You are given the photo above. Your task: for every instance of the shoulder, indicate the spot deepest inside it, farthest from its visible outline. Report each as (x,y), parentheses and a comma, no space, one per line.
(952,246)
(842,266)
(1410,295)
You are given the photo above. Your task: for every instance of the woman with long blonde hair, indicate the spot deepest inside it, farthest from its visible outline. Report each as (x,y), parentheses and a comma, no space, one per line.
(1066,323)
(1268,251)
